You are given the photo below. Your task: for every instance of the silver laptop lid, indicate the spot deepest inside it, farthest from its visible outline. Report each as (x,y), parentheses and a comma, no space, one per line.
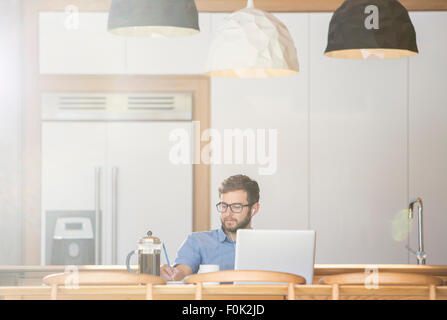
(291,251)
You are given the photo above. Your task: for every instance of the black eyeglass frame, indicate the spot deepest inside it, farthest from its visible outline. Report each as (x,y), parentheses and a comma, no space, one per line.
(230,205)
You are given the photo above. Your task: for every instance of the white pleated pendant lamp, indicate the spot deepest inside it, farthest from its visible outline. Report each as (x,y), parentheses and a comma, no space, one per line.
(252,43)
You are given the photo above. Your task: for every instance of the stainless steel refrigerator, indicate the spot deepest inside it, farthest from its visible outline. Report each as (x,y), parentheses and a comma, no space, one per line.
(109,154)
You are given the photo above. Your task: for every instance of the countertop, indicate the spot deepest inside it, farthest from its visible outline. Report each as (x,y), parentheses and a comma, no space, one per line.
(320,269)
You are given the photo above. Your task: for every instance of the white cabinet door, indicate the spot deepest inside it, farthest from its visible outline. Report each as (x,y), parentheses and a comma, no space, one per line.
(358,154)
(184,55)
(79,43)
(70,153)
(270,105)
(428,132)
(152,193)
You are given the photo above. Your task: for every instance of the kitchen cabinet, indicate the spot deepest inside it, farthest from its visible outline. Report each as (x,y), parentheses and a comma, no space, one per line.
(151,192)
(428,132)
(183,55)
(358,154)
(79,43)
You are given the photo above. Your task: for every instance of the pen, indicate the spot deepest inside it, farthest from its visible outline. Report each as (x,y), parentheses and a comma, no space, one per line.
(166,254)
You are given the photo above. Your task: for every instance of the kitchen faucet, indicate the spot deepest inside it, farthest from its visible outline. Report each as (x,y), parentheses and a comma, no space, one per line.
(420,254)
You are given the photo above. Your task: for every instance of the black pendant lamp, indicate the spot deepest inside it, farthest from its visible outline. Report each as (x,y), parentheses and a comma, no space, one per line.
(367,29)
(153,18)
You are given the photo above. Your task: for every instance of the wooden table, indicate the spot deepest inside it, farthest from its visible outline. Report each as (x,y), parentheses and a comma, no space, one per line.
(29,286)
(222,292)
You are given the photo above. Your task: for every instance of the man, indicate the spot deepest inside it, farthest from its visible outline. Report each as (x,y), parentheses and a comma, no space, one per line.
(239,202)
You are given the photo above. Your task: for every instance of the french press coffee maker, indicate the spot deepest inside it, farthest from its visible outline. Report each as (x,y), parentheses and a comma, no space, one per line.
(149,248)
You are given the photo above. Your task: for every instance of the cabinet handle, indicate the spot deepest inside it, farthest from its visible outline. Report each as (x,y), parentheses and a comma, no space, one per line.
(114,214)
(97,214)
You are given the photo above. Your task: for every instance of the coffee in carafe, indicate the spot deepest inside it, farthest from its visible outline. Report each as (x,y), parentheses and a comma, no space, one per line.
(149,263)
(148,252)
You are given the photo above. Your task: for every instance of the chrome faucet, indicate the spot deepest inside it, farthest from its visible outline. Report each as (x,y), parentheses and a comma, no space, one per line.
(420,254)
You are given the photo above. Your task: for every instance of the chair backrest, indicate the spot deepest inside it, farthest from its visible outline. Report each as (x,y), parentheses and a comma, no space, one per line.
(245,275)
(383,278)
(102,278)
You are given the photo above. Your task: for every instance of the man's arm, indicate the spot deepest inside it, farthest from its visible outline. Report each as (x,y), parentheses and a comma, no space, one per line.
(176,273)
(186,262)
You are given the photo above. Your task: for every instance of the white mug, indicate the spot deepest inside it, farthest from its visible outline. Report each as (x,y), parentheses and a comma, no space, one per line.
(204,268)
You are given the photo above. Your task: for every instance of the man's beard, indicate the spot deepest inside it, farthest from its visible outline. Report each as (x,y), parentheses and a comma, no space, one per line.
(240,225)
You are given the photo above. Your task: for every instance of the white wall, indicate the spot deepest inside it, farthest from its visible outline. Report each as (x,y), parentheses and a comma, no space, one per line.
(10,226)
(428,132)
(356,139)
(281,104)
(351,144)
(358,153)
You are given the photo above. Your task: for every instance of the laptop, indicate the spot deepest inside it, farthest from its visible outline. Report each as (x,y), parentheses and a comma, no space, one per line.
(291,251)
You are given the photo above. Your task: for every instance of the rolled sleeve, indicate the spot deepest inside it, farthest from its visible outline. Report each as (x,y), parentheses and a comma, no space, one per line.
(189,254)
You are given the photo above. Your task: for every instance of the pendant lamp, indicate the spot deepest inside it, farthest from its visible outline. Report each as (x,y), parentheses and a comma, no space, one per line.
(252,44)
(153,18)
(367,29)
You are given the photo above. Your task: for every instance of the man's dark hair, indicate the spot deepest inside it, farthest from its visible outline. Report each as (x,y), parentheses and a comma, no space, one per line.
(241,182)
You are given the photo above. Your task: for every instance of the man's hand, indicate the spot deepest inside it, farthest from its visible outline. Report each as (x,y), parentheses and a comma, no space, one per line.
(168,273)
(176,273)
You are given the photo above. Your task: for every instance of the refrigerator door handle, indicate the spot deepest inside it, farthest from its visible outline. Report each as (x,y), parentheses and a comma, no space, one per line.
(114,214)
(97,214)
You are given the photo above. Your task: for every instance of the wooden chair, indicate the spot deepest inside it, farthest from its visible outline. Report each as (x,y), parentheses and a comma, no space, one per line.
(384,278)
(245,275)
(102,278)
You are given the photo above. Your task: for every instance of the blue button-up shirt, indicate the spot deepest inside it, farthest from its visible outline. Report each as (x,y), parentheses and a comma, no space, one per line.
(208,247)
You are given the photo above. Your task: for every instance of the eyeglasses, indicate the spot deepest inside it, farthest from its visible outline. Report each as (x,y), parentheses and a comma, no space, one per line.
(234,207)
